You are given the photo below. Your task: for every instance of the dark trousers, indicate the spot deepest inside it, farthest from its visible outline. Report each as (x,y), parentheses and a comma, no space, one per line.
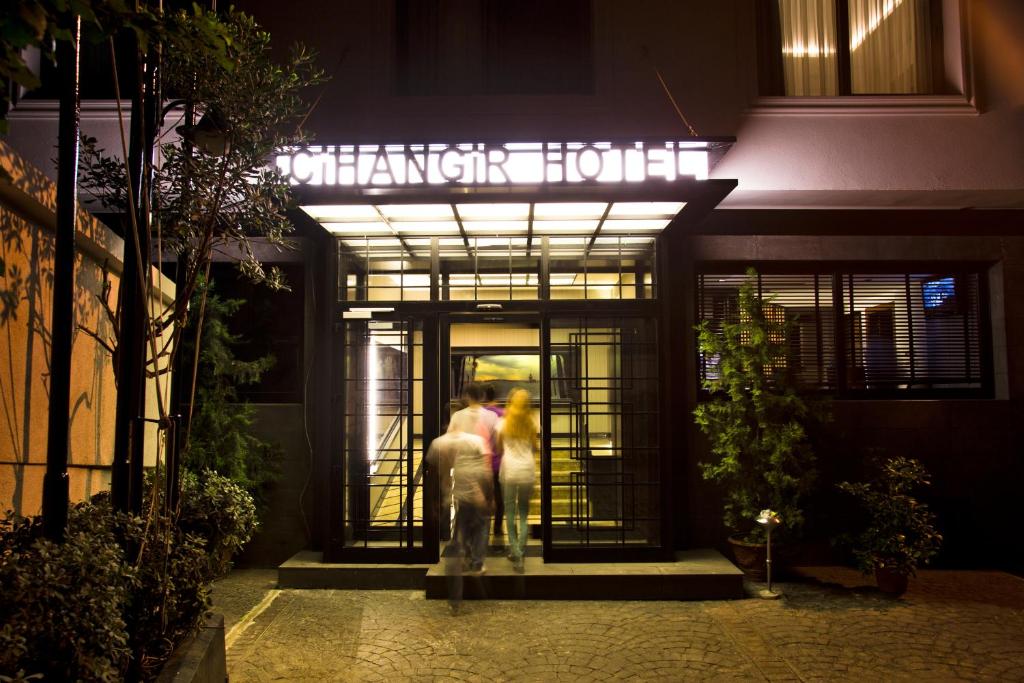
(471,533)
(499,506)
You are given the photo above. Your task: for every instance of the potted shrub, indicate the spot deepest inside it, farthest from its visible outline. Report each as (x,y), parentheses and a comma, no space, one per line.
(900,533)
(756,421)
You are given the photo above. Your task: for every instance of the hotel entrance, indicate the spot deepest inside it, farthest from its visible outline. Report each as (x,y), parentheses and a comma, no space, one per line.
(513,282)
(593,384)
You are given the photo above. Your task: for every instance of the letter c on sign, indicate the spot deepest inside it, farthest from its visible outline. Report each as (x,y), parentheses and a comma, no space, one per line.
(302,180)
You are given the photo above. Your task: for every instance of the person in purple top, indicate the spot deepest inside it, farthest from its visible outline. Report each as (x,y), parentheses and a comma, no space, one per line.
(499,502)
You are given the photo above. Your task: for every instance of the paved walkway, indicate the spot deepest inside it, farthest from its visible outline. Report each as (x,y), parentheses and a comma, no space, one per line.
(949,626)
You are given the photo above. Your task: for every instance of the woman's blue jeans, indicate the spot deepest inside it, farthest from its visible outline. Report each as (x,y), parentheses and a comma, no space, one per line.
(517,509)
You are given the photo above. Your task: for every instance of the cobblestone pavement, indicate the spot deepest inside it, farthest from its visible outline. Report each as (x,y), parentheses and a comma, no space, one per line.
(949,626)
(241,592)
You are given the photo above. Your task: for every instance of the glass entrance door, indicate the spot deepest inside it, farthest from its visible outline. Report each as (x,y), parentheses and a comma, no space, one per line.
(389,401)
(602,470)
(500,354)
(597,390)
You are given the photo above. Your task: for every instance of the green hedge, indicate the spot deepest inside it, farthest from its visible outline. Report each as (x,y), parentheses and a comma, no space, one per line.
(114,599)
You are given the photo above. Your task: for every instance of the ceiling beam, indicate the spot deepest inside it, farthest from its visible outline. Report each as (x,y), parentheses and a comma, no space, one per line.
(597,230)
(405,247)
(462,229)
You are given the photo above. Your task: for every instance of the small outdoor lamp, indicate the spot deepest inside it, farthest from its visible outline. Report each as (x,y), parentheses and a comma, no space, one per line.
(769,520)
(211,134)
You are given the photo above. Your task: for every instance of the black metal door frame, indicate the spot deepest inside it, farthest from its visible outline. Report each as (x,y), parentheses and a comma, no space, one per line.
(553,552)
(426,550)
(436,319)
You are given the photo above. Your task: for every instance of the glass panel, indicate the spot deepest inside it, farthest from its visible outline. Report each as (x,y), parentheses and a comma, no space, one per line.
(492,286)
(605,473)
(918,330)
(391,281)
(890,46)
(809,63)
(804,302)
(383,495)
(386,269)
(604,268)
(496,268)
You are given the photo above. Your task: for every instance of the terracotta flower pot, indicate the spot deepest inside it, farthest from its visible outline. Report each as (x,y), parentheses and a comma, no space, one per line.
(751,557)
(890,582)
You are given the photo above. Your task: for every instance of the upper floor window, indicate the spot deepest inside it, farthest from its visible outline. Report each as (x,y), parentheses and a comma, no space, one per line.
(478,47)
(853,47)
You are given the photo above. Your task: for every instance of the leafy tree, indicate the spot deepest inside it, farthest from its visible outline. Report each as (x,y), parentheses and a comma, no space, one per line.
(756,419)
(222,438)
(215,198)
(41,24)
(205,200)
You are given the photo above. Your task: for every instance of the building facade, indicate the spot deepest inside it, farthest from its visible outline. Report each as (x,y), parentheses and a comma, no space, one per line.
(864,156)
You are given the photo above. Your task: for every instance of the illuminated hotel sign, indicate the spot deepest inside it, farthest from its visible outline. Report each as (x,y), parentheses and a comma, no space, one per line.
(359,166)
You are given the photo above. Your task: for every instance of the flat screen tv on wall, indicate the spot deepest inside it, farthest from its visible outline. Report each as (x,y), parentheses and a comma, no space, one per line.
(939,295)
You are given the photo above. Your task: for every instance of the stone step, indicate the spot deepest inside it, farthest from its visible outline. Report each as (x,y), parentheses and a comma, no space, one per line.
(693,575)
(306,569)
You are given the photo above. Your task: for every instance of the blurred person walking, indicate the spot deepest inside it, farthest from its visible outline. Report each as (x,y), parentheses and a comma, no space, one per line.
(499,499)
(465,482)
(473,483)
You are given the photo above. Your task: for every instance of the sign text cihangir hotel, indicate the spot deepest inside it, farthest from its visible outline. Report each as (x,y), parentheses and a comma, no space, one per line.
(493,164)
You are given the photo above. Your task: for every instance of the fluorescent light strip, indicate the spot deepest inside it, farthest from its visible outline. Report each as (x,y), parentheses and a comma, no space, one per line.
(667,210)
(390,230)
(371,403)
(568,210)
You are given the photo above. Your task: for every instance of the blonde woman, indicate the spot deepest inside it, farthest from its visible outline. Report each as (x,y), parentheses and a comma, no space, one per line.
(517,438)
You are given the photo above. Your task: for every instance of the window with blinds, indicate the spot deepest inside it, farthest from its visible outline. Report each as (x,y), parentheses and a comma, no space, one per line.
(859,333)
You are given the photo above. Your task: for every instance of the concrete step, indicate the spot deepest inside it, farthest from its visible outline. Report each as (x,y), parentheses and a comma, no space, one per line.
(306,569)
(694,575)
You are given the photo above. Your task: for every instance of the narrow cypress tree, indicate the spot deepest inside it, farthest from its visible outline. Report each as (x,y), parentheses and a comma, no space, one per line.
(756,418)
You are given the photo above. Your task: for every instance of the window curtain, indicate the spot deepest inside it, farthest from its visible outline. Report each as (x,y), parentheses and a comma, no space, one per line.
(890,47)
(808,29)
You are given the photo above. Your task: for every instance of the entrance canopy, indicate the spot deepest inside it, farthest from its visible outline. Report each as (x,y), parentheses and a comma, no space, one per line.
(393,199)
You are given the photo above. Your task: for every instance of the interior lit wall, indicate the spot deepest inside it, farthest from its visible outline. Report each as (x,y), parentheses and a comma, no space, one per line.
(476,335)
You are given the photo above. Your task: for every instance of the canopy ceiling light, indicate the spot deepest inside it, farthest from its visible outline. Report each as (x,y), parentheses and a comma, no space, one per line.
(398,228)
